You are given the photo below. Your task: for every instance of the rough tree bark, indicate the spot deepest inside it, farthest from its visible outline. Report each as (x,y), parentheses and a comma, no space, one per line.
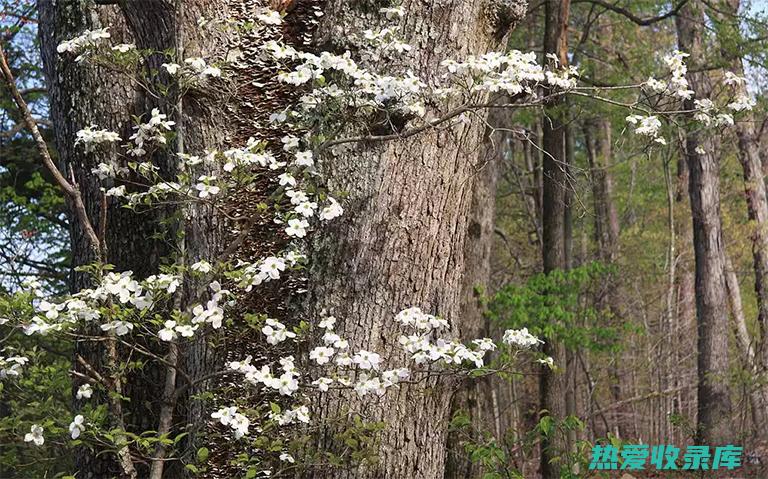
(410,202)
(403,240)
(481,399)
(702,155)
(82,95)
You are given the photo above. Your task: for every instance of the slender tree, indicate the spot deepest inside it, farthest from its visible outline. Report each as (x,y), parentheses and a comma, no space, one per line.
(553,384)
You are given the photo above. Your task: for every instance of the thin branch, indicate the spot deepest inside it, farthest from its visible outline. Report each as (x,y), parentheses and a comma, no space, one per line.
(458,111)
(643,22)
(20,126)
(643,397)
(70,189)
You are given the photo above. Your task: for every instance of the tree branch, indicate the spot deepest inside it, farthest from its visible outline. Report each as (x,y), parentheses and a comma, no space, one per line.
(20,126)
(644,22)
(70,189)
(450,115)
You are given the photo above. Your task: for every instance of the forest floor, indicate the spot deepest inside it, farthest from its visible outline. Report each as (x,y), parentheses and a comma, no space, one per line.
(747,472)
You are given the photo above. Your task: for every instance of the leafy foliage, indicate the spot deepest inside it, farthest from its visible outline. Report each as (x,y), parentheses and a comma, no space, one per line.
(561,306)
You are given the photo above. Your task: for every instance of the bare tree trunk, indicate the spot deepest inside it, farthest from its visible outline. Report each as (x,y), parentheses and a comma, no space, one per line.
(599,154)
(553,384)
(670,314)
(745,341)
(684,313)
(702,155)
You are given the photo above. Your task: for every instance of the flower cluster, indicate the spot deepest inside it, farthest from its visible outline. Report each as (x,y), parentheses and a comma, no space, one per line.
(12,366)
(87,39)
(386,40)
(154,131)
(285,383)
(424,347)
(90,137)
(521,338)
(678,83)
(89,304)
(705,111)
(171,330)
(229,416)
(742,102)
(339,80)
(298,414)
(647,126)
(363,371)
(707,114)
(195,68)
(276,332)
(270,268)
(106,170)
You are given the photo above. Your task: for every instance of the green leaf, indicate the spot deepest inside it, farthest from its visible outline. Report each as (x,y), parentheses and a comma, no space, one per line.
(202,454)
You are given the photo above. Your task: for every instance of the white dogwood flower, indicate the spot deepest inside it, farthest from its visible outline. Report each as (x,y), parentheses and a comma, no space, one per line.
(76,427)
(366,360)
(333,210)
(321,354)
(322,384)
(520,338)
(35,435)
(304,158)
(168,333)
(297,228)
(84,392)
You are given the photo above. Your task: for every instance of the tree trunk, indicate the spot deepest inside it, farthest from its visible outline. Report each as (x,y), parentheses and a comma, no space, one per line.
(600,154)
(409,210)
(403,241)
(553,384)
(702,155)
(479,398)
(745,342)
(757,200)
(81,95)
